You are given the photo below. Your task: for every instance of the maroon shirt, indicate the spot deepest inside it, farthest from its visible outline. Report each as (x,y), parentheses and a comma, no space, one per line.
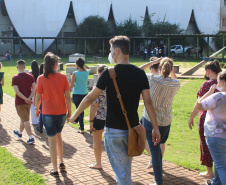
(24,82)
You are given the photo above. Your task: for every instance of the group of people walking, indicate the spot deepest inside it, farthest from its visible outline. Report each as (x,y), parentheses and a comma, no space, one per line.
(53,107)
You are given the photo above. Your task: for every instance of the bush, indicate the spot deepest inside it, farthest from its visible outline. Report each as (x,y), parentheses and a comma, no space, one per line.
(221,64)
(224,66)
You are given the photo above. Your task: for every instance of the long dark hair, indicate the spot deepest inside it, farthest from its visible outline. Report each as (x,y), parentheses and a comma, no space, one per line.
(35,69)
(50,60)
(41,68)
(80,62)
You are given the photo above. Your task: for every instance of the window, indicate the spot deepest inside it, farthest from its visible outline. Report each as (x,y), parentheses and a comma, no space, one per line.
(223,24)
(70,34)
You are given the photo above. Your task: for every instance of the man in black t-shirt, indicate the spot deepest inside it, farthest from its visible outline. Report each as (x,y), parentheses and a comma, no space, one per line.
(131,81)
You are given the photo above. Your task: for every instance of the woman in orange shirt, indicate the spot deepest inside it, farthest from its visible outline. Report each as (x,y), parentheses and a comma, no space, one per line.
(54,91)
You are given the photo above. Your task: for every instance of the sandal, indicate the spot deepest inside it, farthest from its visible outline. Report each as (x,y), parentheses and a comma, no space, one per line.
(54,174)
(62,167)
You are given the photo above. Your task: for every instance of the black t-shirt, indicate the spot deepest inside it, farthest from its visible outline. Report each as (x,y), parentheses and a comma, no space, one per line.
(131,81)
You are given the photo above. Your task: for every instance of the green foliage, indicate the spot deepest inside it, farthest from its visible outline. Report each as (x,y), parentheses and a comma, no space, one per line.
(128,28)
(93,26)
(224,66)
(221,64)
(151,28)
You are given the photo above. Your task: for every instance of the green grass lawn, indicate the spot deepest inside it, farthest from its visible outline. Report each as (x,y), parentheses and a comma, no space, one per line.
(13,171)
(182,146)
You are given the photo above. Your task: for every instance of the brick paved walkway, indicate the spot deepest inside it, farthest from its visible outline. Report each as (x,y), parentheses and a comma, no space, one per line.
(78,155)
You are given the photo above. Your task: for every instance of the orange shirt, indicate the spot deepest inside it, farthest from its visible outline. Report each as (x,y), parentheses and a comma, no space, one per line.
(52,90)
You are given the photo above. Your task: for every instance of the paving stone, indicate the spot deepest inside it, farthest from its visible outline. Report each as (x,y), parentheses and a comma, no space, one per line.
(78,155)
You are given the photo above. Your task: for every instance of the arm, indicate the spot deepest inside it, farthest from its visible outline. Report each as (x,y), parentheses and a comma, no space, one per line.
(199,104)
(38,99)
(33,90)
(3,81)
(18,93)
(93,110)
(194,113)
(86,102)
(173,75)
(68,103)
(145,66)
(72,80)
(156,137)
(86,67)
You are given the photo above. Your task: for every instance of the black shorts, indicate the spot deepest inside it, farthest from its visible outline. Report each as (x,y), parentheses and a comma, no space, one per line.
(164,139)
(98,124)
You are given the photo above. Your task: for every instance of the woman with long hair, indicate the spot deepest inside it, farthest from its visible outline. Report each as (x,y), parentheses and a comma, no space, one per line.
(212,69)
(163,88)
(54,91)
(215,127)
(35,73)
(79,84)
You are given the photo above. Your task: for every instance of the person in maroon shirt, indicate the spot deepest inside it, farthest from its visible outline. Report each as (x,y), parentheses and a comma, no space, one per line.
(22,84)
(212,69)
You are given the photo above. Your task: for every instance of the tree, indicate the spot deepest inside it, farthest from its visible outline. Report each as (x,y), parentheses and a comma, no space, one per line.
(93,26)
(151,28)
(128,28)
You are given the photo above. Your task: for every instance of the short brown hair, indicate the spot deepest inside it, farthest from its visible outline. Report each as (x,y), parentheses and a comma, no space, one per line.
(154,66)
(20,62)
(122,42)
(101,68)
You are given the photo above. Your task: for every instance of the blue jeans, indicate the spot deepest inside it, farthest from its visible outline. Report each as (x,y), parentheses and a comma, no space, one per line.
(77,98)
(156,153)
(116,143)
(217,147)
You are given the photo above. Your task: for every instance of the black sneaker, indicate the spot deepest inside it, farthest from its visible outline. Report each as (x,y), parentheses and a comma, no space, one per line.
(31,141)
(54,174)
(62,167)
(38,129)
(17,134)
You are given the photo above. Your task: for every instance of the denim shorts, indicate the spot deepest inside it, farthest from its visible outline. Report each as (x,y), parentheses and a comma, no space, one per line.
(53,123)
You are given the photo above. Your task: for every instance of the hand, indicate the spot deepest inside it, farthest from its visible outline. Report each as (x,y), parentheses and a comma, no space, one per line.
(37,111)
(28,101)
(156,136)
(191,123)
(68,116)
(92,129)
(212,88)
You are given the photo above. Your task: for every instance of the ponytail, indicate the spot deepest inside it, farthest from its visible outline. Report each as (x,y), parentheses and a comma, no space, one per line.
(166,66)
(50,60)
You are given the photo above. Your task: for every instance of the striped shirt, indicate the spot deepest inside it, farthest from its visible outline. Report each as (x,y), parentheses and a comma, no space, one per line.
(162,92)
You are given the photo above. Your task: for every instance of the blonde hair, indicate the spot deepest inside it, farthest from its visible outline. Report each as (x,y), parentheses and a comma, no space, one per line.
(166,66)
(0,65)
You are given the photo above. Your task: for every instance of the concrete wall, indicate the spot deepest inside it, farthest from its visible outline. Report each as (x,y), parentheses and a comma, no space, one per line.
(43,19)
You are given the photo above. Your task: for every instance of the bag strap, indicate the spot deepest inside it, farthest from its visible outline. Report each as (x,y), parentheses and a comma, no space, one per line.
(112,76)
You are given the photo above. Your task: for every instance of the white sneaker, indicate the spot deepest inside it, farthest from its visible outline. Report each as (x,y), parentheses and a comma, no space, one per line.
(149,165)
